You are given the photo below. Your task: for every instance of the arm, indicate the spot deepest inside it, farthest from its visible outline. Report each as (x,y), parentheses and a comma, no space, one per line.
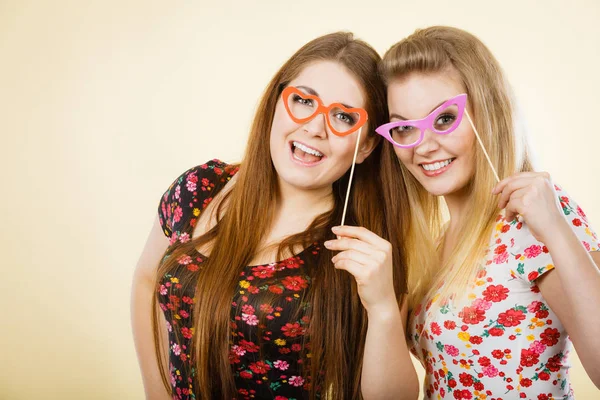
(572,290)
(141,314)
(572,287)
(388,370)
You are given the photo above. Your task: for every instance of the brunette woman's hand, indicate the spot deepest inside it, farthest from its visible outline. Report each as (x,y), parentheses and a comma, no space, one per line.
(368,258)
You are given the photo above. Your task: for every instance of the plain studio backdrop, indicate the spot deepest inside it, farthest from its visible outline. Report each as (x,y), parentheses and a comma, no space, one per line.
(104,103)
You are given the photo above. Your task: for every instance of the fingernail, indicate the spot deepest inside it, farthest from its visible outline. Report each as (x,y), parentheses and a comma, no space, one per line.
(335,229)
(327,243)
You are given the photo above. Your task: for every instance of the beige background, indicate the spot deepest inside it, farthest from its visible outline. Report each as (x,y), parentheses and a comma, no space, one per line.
(104,103)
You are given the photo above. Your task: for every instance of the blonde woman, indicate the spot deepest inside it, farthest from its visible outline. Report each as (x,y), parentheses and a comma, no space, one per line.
(499,292)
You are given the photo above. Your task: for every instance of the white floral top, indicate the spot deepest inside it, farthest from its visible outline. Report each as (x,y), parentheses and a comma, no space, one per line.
(505,343)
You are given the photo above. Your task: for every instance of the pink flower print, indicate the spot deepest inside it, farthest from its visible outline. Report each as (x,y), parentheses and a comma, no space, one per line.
(587,246)
(163,290)
(184,238)
(173,380)
(451,350)
(177,214)
(177,192)
(481,304)
(176,349)
(490,371)
(247,309)
(296,381)
(537,347)
(238,350)
(191,186)
(533,251)
(282,365)
(184,259)
(501,258)
(250,319)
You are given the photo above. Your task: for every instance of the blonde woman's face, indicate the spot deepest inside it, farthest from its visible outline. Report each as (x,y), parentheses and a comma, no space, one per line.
(443,164)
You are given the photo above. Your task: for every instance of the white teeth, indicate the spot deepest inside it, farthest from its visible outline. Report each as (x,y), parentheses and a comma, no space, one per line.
(307,149)
(436,166)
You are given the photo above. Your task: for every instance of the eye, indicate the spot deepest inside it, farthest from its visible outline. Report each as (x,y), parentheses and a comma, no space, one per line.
(403,129)
(445,119)
(346,118)
(301,100)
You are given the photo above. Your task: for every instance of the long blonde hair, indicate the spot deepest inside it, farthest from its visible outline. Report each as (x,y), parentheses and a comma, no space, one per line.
(436,50)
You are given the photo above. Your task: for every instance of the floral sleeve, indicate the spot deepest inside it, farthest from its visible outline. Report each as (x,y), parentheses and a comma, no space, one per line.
(184,199)
(533,258)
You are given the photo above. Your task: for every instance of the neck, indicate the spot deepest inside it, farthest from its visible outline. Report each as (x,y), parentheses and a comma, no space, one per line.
(303,204)
(458,209)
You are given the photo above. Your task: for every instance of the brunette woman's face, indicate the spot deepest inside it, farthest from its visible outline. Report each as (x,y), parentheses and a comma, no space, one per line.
(308,155)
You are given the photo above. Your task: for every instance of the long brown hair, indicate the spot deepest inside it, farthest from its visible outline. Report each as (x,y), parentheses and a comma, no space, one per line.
(338,321)
(442,49)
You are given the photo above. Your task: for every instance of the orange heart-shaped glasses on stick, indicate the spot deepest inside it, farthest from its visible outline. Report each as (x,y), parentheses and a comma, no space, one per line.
(341,120)
(303,107)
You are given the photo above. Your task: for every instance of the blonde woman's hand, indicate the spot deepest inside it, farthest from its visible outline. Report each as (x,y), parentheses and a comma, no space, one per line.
(532,196)
(368,258)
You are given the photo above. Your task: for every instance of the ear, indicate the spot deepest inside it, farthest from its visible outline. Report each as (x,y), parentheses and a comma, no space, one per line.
(369,143)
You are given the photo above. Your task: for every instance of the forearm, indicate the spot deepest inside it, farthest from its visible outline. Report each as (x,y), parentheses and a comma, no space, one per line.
(388,371)
(580,279)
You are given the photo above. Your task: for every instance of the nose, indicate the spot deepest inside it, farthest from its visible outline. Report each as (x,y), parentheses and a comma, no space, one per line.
(316,126)
(429,144)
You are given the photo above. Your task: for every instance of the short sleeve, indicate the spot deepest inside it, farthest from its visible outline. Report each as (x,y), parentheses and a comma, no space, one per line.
(533,258)
(185,198)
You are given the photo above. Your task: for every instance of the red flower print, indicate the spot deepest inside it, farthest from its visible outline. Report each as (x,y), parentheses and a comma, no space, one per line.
(263,272)
(292,330)
(554,364)
(528,358)
(466,379)
(478,386)
(544,376)
(533,251)
(505,228)
(496,331)
(475,339)
(246,375)
(249,346)
(295,283)
(550,336)
(462,394)
(471,315)
(543,397)
(436,329)
(292,263)
(533,276)
(511,317)
(193,267)
(260,367)
(577,222)
(498,354)
(450,325)
(275,289)
(186,332)
(266,308)
(174,300)
(580,212)
(495,293)
(500,249)
(526,382)
(452,383)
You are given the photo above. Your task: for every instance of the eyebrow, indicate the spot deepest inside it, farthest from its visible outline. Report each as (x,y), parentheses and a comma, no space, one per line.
(314,93)
(398,116)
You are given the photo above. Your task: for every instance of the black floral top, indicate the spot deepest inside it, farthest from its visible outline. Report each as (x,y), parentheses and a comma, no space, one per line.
(267,340)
